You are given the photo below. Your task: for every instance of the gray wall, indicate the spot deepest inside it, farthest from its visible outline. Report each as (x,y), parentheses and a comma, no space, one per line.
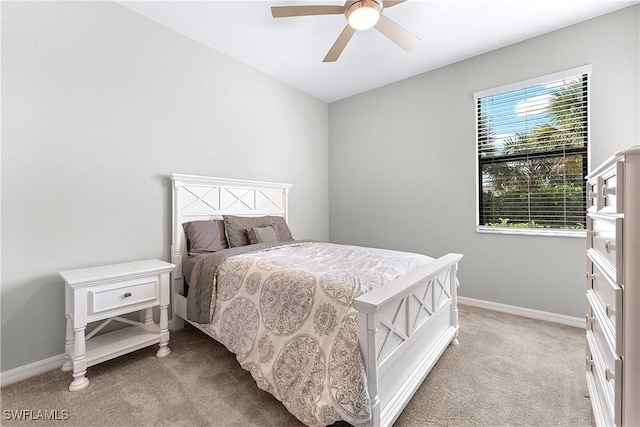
(402,161)
(99,106)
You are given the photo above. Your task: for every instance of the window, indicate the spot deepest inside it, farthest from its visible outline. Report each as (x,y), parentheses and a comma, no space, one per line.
(532,155)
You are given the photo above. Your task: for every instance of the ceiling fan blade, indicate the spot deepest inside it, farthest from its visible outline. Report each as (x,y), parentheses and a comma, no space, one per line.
(287,11)
(397,34)
(339,45)
(386,4)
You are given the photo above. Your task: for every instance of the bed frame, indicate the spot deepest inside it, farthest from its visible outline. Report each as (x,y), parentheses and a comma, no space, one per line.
(404,326)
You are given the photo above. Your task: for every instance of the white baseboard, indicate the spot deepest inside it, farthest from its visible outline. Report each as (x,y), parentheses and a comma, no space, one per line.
(577,322)
(31,370)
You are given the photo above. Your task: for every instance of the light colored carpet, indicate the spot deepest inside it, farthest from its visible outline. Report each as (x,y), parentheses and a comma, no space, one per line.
(506,371)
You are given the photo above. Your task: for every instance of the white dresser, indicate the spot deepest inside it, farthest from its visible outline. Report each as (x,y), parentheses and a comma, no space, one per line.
(613,289)
(105,293)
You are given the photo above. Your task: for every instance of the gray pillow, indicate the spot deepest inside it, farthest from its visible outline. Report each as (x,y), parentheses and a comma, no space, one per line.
(236,227)
(284,233)
(266,234)
(205,236)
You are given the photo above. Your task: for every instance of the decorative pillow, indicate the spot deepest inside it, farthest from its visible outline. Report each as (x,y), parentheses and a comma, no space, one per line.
(205,236)
(236,227)
(284,233)
(266,234)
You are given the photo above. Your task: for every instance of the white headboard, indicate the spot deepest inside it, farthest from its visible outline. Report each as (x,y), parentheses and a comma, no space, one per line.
(201,197)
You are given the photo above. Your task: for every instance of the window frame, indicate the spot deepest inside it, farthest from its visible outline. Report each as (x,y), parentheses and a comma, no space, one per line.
(545,79)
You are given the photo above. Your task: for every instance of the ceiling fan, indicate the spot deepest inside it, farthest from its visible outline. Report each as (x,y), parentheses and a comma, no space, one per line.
(361,15)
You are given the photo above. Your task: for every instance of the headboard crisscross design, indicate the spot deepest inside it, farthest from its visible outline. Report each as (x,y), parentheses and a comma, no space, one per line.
(198,200)
(208,199)
(202,198)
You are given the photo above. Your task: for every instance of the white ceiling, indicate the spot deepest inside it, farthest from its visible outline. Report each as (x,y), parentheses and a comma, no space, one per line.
(292,49)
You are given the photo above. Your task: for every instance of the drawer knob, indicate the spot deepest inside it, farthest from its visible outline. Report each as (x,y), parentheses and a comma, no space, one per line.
(608,190)
(608,246)
(590,320)
(609,375)
(610,310)
(589,361)
(127,294)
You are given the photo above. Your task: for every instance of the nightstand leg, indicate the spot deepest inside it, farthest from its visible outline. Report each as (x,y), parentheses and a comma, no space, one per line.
(79,362)
(164,333)
(147,315)
(68,346)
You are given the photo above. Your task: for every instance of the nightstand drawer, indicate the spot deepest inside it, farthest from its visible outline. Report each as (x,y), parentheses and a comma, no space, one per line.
(142,292)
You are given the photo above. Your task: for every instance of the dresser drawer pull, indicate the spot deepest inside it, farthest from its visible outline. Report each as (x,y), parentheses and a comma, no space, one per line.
(608,246)
(609,375)
(610,310)
(127,294)
(590,276)
(608,190)
(592,194)
(589,361)
(590,320)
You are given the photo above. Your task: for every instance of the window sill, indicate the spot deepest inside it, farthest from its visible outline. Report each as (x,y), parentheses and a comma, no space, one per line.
(532,232)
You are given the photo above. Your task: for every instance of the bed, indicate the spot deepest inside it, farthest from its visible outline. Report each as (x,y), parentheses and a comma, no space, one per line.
(400,329)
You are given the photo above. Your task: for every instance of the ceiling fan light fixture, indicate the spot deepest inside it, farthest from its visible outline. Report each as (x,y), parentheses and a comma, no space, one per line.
(363,14)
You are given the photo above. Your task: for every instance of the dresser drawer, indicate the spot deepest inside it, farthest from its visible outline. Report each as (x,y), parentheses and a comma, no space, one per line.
(602,346)
(610,327)
(137,292)
(604,240)
(610,189)
(597,390)
(604,293)
(609,391)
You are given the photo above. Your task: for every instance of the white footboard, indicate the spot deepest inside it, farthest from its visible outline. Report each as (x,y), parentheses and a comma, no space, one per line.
(404,327)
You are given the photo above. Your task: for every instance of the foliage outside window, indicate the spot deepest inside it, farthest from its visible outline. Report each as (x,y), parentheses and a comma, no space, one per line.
(532,155)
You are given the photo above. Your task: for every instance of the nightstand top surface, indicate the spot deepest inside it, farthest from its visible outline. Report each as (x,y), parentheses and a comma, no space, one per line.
(102,273)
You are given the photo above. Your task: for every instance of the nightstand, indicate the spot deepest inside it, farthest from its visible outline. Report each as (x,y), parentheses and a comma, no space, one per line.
(105,293)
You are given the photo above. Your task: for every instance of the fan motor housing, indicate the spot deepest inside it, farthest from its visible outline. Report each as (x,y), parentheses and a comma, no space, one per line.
(353,6)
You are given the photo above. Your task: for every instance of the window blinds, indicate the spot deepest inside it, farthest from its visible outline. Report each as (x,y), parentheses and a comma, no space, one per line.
(532,154)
